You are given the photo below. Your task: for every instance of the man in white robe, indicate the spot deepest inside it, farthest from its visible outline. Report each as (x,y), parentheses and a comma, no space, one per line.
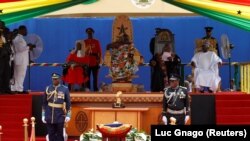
(206,72)
(21,59)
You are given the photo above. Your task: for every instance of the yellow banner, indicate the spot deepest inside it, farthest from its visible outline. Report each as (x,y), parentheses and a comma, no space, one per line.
(10,7)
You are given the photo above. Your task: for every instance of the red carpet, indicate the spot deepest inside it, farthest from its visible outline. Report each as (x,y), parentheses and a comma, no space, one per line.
(14,108)
(69,139)
(232,109)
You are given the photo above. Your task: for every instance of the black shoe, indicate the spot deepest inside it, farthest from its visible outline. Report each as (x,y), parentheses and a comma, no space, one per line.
(210,91)
(202,91)
(9,92)
(23,92)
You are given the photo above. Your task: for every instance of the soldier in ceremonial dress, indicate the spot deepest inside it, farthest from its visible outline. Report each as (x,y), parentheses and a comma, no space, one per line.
(175,102)
(93,53)
(56,108)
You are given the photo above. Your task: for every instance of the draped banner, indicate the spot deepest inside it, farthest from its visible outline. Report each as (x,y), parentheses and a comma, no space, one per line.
(234,12)
(16,10)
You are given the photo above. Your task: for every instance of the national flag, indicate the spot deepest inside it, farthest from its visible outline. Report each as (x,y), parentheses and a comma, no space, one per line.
(234,12)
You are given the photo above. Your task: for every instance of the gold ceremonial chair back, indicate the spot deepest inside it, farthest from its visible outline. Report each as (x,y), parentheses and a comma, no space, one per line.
(165,36)
(200,42)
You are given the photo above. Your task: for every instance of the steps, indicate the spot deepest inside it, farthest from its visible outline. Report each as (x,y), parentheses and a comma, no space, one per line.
(232,109)
(14,108)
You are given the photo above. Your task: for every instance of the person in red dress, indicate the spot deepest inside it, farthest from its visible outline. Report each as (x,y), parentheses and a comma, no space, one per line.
(75,74)
(94,53)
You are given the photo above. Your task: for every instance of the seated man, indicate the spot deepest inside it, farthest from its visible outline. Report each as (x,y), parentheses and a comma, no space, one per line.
(206,72)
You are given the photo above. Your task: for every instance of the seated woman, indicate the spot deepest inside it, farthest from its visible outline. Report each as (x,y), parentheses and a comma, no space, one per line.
(76,73)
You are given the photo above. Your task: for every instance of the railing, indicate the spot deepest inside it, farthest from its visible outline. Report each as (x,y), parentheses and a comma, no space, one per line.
(241,73)
(245,77)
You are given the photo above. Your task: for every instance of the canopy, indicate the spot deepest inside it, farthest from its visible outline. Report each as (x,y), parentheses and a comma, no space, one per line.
(118,7)
(234,12)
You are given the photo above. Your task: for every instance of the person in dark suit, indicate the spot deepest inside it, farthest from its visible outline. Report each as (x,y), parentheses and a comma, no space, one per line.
(56,108)
(175,103)
(5,53)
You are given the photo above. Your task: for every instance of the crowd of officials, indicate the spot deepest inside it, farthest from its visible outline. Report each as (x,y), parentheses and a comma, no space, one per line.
(85,59)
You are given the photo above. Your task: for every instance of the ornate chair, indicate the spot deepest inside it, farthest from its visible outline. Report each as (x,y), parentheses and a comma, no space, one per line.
(165,36)
(200,42)
(121,56)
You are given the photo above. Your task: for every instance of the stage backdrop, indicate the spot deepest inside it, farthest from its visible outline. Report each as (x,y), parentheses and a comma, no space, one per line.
(59,36)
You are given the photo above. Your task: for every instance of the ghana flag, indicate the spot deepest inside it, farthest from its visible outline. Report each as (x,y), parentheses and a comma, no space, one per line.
(234,12)
(16,10)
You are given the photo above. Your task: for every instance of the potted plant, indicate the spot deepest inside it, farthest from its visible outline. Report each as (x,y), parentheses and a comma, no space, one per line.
(91,136)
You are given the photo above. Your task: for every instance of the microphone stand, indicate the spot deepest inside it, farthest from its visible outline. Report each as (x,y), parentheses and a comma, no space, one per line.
(229,61)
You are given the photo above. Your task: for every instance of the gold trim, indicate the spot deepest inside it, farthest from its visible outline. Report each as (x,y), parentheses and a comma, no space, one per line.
(126,98)
(55,105)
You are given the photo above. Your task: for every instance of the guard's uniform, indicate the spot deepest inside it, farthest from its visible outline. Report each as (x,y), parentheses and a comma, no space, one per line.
(176,104)
(93,54)
(55,111)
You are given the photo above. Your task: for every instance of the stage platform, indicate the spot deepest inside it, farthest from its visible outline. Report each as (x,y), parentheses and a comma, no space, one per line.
(203,109)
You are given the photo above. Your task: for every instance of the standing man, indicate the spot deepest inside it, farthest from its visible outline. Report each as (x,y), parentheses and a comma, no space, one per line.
(56,108)
(175,103)
(21,59)
(5,52)
(93,53)
(209,36)
(153,53)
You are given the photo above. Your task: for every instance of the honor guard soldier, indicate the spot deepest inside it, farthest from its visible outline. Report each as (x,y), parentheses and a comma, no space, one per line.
(56,108)
(93,53)
(175,102)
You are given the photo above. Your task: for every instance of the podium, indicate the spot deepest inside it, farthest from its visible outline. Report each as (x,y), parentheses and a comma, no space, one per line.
(129,115)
